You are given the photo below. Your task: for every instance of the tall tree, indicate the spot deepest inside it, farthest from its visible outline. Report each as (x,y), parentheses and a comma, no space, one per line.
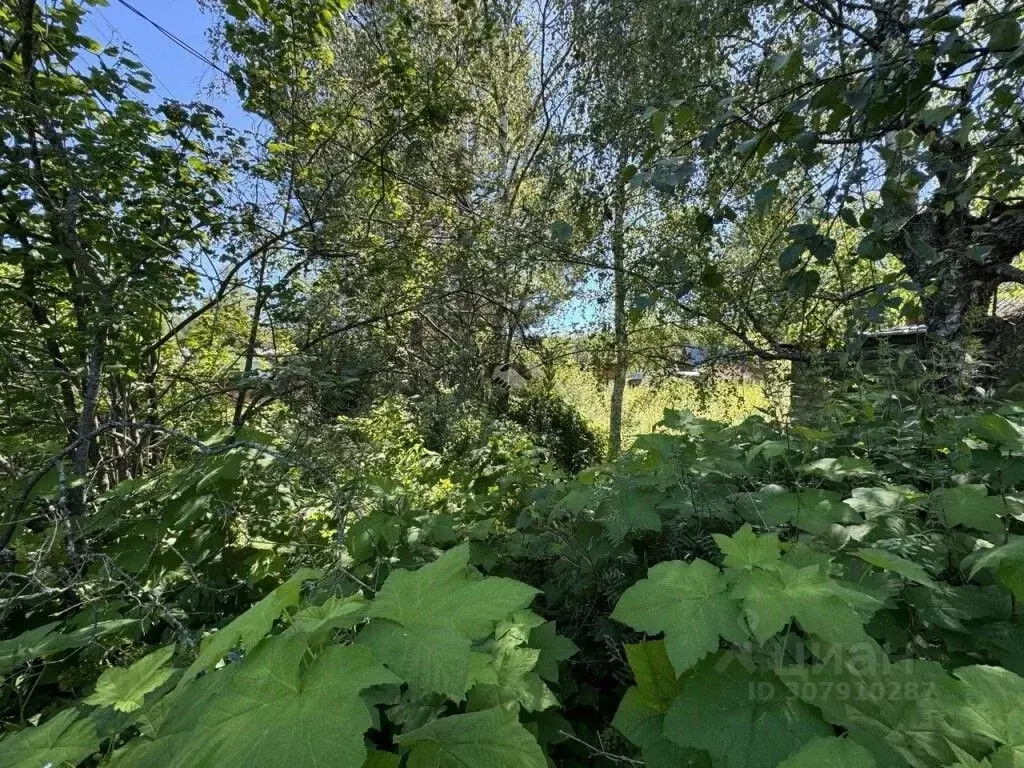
(624,75)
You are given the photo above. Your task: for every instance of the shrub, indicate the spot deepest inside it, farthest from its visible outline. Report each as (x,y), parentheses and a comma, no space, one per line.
(558,426)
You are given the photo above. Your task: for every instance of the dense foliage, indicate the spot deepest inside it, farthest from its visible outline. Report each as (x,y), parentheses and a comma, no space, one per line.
(330,441)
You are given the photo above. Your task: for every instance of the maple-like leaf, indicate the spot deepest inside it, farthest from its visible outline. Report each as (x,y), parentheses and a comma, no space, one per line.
(690,603)
(125,688)
(426,620)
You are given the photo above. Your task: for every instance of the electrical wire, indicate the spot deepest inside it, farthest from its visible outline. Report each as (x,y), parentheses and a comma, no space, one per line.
(174,38)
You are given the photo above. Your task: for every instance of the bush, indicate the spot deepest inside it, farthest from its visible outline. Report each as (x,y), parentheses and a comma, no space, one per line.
(768,595)
(559,427)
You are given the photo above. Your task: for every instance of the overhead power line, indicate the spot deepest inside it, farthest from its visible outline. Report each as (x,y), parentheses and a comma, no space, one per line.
(174,38)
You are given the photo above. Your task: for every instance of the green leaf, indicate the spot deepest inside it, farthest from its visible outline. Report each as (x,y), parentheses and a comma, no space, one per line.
(663,753)
(641,712)
(554,648)
(745,549)
(890,562)
(790,256)
(429,660)
(822,605)
(658,123)
(993,704)
(1004,32)
(936,116)
(997,430)
(433,614)
(740,715)
(125,689)
(1008,560)
(516,629)
(508,676)
(803,283)
(971,507)
(44,641)
(876,502)
(768,449)
(492,738)
(689,602)
(895,710)
(630,509)
(809,510)
(841,469)
(639,719)
(849,218)
(377,759)
(248,629)
(515,683)
(334,613)
(277,707)
(653,671)
(831,752)
(64,738)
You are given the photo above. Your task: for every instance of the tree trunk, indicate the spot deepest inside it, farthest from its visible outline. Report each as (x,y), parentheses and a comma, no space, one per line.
(619,290)
(250,347)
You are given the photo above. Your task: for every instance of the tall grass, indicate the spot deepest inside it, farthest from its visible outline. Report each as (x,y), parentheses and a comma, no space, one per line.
(727,400)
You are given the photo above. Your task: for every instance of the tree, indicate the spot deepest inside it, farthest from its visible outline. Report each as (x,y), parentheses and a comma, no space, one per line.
(901,120)
(421,157)
(108,208)
(624,76)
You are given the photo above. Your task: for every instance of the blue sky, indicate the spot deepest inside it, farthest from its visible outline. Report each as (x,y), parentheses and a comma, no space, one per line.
(176,73)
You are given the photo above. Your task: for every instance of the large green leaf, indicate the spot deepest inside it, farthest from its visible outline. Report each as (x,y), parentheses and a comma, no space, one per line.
(664,753)
(888,561)
(432,617)
(554,649)
(641,713)
(993,704)
(277,707)
(830,753)
(876,502)
(492,738)
(67,737)
(689,602)
(841,468)
(427,659)
(511,682)
(998,430)
(1008,562)
(743,717)
(895,710)
(629,509)
(811,510)
(333,613)
(971,507)
(125,689)
(509,676)
(377,759)
(745,549)
(249,628)
(822,605)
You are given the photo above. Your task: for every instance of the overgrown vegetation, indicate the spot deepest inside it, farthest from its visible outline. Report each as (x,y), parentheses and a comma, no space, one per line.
(318,442)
